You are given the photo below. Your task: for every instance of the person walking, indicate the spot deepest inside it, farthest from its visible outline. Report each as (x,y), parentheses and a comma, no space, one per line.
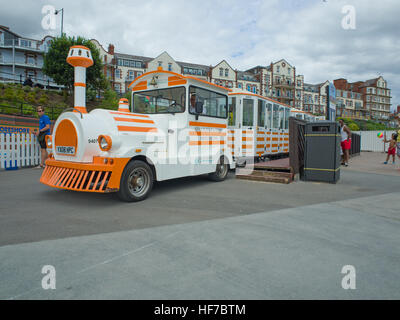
(346,142)
(44,130)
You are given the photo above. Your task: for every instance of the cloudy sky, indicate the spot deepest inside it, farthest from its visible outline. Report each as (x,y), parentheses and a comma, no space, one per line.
(309,34)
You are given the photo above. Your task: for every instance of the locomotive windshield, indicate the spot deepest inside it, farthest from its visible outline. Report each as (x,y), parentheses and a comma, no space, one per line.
(170,100)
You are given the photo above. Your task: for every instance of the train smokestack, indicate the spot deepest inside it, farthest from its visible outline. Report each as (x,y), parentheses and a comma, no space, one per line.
(80,58)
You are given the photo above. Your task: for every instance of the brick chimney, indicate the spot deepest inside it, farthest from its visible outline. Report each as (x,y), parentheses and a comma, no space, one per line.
(111,48)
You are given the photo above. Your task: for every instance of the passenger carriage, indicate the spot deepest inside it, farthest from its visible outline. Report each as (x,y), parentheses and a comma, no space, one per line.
(258,126)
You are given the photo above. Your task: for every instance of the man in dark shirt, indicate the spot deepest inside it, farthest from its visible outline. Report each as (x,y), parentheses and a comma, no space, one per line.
(44,130)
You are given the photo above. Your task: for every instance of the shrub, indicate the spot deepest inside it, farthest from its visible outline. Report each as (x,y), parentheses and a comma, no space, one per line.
(31,97)
(91,94)
(28,110)
(20,95)
(44,99)
(110,100)
(9,94)
(27,88)
(354,127)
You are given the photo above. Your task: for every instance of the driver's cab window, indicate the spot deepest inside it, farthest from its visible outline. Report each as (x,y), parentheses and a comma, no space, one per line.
(210,103)
(170,100)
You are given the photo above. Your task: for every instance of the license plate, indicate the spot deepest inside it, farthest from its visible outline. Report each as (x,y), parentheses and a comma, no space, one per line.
(65,150)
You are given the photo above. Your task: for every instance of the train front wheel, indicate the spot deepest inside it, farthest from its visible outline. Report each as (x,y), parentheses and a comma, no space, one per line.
(136,181)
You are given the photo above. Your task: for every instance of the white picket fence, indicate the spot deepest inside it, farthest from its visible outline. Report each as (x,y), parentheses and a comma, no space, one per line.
(19,150)
(371,142)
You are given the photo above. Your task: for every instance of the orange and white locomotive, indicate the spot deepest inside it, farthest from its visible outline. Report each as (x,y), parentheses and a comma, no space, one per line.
(177,128)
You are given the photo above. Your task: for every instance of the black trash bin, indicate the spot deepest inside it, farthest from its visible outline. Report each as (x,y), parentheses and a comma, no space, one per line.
(322,151)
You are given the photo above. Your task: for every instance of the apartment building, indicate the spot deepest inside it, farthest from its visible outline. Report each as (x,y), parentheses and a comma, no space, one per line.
(21,57)
(315,97)
(374,94)
(280,81)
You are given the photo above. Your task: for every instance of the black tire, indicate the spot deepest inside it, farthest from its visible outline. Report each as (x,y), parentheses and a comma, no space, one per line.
(221,171)
(136,181)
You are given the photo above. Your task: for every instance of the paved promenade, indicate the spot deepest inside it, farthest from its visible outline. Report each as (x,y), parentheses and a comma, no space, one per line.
(194,239)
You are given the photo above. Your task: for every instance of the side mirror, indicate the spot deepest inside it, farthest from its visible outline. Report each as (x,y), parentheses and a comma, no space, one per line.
(199,107)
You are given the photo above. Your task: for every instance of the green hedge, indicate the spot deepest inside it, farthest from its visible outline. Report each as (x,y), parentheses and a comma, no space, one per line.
(363,125)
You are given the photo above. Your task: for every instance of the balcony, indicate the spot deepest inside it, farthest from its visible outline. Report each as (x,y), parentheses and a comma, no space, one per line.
(21,44)
(283,84)
(341,106)
(30,65)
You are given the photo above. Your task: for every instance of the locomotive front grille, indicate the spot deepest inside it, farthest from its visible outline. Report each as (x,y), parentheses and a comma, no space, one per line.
(76,179)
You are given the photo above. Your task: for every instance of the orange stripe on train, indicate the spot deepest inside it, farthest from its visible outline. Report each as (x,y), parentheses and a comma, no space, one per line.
(136,129)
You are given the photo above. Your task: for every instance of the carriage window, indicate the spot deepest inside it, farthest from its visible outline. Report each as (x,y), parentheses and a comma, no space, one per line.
(261,113)
(275,119)
(248,112)
(214,104)
(232,111)
(268,116)
(281,117)
(171,100)
(287,115)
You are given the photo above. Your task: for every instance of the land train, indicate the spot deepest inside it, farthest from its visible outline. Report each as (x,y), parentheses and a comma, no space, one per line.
(176,126)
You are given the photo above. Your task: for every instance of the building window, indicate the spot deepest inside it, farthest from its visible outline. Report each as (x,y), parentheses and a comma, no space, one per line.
(169,66)
(277,69)
(131,75)
(239,85)
(31,74)
(31,60)
(226,72)
(117,87)
(221,72)
(288,71)
(248,88)
(160,63)
(117,73)
(25,43)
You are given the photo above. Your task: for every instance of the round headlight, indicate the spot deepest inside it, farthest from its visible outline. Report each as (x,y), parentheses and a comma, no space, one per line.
(105,142)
